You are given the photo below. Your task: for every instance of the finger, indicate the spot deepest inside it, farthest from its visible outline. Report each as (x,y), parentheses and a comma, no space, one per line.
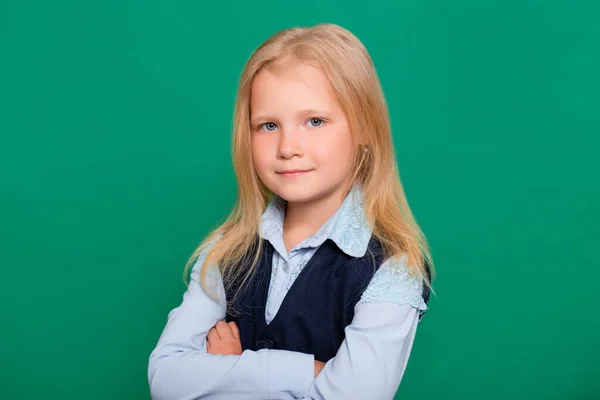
(223,329)
(234,330)
(213,334)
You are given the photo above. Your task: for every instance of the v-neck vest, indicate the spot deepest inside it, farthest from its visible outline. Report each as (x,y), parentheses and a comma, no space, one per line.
(316,309)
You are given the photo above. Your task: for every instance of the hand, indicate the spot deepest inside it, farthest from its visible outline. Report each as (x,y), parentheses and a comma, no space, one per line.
(318,367)
(224,338)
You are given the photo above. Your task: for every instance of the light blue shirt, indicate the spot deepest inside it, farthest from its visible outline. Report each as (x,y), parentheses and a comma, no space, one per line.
(369,363)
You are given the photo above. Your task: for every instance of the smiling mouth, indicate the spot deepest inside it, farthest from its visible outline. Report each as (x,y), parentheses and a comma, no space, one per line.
(294,172)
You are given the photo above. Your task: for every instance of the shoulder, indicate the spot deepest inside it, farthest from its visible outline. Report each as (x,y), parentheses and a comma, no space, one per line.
(394,283)
(203,251)
(213,277)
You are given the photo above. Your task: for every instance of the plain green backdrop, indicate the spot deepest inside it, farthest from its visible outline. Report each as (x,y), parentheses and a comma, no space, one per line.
(115,122)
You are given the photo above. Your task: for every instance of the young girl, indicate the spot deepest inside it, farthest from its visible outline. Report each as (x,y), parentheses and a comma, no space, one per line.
(313,287)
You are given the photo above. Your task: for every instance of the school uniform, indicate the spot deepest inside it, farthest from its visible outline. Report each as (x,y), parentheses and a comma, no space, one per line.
(332,298)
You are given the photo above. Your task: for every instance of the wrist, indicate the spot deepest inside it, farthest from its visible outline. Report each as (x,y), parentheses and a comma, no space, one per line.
(318,367)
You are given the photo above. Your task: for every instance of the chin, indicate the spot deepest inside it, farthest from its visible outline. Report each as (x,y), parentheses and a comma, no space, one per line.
(302,193)
(297,193)
(295,196)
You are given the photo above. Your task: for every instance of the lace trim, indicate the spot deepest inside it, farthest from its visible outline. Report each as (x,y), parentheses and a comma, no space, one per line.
(392,283)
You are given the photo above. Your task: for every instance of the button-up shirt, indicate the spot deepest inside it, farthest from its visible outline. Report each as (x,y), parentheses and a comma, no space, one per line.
(369,363)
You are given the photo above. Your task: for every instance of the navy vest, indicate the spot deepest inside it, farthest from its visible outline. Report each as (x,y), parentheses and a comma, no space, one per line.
(316,309)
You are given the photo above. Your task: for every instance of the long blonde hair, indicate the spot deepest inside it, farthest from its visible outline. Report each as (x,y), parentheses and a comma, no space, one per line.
(349,68)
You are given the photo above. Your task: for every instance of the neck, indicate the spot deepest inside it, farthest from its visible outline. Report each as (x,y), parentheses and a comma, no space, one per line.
(303,220)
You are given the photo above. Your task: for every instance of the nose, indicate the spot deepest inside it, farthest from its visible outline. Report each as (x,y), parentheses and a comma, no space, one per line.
(290,145)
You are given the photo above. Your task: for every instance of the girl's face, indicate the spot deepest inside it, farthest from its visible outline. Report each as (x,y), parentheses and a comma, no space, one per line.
(301,141)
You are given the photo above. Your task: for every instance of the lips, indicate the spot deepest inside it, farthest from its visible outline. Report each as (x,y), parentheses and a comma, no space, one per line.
(293,172)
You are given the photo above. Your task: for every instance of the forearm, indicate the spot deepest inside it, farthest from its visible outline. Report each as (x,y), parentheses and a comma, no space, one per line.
(181,368)
(371,360)
(257,375)
(193,374)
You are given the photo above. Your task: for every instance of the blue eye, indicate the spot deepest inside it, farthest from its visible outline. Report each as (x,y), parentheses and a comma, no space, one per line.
(269,126)
(315,122)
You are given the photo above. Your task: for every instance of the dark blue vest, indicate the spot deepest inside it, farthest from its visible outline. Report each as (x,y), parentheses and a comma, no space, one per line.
(316,309)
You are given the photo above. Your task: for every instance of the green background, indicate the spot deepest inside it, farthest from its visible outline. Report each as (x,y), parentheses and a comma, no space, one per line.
(115,122)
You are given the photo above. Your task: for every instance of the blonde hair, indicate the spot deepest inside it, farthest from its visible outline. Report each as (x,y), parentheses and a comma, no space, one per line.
(350,70)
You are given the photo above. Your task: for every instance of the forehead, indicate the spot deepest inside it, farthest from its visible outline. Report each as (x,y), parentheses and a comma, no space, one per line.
(289,87)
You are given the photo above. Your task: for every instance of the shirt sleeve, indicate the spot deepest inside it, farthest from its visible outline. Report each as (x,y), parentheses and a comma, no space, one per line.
(372,359)
(180,367)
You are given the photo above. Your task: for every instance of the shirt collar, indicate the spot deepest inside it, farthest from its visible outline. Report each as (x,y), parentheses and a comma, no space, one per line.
(348,227)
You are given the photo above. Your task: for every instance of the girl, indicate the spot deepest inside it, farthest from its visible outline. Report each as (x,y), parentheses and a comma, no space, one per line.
(313,287)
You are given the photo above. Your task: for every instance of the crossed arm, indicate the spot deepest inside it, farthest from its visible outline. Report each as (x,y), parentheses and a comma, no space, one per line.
(224,338)
(199,357)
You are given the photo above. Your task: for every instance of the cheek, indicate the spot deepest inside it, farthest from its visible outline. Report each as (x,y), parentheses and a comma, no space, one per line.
(260,154)
(256,154)
(335,150)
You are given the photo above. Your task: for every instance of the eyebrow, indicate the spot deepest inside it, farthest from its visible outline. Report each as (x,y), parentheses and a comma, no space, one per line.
(310,111)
